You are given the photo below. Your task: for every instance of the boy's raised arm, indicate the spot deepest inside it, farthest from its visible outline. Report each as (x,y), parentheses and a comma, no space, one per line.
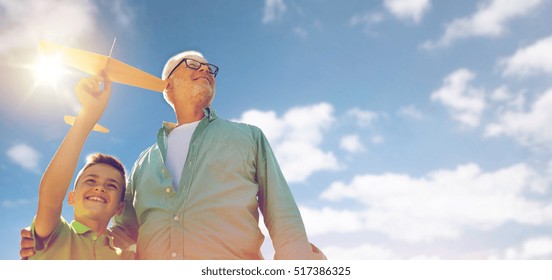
(59,173)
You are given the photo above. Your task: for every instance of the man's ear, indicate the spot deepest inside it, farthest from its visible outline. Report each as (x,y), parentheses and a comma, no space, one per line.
(120,209)
(71,198)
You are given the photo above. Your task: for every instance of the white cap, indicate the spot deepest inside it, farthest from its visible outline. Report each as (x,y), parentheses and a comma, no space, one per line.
(173,61)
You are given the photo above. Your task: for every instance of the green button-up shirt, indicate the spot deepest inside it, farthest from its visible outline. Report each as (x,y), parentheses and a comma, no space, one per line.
(76,241)
(230,173)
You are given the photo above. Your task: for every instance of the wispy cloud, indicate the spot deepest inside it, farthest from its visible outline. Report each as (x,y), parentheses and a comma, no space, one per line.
(366,20)
(359,252)
(24,156)
(15,203)
(322,221)
(301,32)
(529,127)
(408,9)
(364,118)
(351,143)
(489,20)
(296,138)
(534,248)
(26,22)
(411,112)
(465,102)
(377,139)
(533,59)
(122,11)
(273,10)
(441,205)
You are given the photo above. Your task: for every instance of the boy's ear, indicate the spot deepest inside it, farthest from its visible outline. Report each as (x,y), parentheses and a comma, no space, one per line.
(71,198)
(120,209)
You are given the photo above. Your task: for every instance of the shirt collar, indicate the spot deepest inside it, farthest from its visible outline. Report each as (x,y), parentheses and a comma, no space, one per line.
(209,114)
(80,228)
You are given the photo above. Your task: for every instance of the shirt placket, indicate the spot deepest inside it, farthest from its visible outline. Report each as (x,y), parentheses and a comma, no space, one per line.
(172,208)
(178,223)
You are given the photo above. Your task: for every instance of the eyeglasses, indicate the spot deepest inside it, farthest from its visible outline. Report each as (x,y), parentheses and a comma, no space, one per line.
(195,65)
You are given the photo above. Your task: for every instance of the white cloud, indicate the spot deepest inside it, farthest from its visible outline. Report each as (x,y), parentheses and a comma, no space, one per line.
(296,138)
(122,11)
(534,248)
(501,94)
(321,221)
(367,20)
(534,59)
(273,10)
(408,9)
(528,127)
(351,143)
(442,205)
(464,102)
(25,156)
(537,248)
(15,203)
(490,20)
(411,112)
(377,139)
(359,252)
(364,118)
(26,22)
(301,32)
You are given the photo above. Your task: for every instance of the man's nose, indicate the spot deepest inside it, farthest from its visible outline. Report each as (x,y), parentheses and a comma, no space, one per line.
(205,68)
(99,188)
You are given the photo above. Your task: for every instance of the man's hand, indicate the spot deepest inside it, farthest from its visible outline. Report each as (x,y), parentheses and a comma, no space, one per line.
(92,97)
(27,244)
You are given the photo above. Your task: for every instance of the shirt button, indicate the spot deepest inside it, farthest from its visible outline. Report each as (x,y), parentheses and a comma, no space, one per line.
(174,254)
(175,218)
(168,189)
(94,237)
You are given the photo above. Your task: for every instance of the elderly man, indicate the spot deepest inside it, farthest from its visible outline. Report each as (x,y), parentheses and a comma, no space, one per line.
(196,193)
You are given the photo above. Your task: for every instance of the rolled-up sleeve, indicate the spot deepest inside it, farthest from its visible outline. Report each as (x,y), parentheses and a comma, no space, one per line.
(281,214)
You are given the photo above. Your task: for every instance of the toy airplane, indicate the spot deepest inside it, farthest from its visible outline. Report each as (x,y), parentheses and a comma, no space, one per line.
(93,63)
(98,127)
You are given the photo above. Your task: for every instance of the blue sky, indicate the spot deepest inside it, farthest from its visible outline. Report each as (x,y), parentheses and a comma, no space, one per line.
(406,129)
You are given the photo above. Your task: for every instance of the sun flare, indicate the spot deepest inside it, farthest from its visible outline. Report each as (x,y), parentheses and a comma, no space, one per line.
(49,70)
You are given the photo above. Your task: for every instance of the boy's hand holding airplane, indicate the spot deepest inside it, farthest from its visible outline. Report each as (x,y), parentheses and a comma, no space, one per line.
(93,98)
(93,63)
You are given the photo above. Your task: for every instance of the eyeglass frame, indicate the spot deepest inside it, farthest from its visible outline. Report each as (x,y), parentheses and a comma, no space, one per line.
(185,60)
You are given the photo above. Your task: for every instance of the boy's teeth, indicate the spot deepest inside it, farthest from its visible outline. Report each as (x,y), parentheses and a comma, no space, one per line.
(95,198)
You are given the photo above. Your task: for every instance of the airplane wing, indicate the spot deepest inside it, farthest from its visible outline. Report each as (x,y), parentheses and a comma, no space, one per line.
(93,64)
(70,120)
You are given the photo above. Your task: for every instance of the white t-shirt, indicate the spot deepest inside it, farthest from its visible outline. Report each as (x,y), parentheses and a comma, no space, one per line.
(177,150)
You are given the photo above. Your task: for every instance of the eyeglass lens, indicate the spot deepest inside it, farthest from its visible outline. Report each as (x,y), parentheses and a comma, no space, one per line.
(194,64)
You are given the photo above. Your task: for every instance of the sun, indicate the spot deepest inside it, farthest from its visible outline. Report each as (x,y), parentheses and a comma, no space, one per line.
(49,70)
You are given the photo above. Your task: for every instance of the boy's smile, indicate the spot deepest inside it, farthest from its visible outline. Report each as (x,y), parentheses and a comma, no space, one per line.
(97,195)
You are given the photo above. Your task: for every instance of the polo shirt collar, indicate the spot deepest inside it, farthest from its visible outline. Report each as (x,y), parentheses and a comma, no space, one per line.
(81,229)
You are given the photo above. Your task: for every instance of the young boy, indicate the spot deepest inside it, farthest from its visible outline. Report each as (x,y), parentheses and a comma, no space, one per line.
(97,196)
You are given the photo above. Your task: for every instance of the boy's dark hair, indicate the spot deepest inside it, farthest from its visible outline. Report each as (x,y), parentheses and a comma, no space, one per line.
(112,161)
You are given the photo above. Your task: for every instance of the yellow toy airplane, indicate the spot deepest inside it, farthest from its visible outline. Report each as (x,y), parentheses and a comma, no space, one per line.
(93,63)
